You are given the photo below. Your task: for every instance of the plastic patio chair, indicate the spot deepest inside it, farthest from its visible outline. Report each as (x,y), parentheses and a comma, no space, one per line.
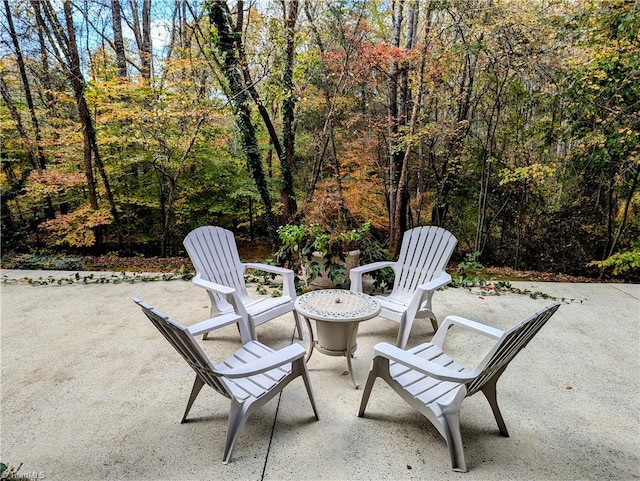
(419,271)
(250,378)
(214,255)
(434,384)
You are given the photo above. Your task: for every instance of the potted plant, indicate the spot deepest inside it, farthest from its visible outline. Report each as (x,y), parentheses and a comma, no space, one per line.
(324,256)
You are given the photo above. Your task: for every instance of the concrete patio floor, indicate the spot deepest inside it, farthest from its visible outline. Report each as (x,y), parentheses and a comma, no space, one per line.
(91,391)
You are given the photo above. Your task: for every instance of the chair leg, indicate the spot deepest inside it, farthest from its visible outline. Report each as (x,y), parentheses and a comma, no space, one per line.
(404,332)
(307,384)
(434,323)
(426,311)
(212,312)
(205,336)
(237,417)
(371,379)
(454,441)
(489,391)
(299,330)
(195,390)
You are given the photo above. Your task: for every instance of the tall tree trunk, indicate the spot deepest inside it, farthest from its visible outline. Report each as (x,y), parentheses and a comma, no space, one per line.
(146,52)
(66,41)
(250,87)
(225,42)
(404,111)
(625,213)
(44,60)
(118,40)
(285,154)
(39,158)
(395,121)
(173,186)
(320,148)
(34,147)
(288,112)
(404,94)
(402,190)
(327,136)
(455,142)
(142,34)
(492,121)
(344,212)
(77,81)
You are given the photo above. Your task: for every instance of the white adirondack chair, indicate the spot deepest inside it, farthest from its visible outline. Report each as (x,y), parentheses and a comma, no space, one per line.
(435,385)
(214,254)
(251,377)
(419,271)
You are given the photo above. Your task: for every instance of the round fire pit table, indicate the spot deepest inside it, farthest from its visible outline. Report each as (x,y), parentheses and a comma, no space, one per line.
(337,314)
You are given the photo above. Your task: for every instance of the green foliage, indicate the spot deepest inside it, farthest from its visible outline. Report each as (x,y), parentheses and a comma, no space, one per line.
(78,278)
(470,263)
(467,271)
(42,261)
(600,174)
(527,134)
(264,282)
(621,262)
(301,244)
(497,288)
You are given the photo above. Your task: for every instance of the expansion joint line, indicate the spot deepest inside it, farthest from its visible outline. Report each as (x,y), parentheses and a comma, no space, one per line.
(273,426)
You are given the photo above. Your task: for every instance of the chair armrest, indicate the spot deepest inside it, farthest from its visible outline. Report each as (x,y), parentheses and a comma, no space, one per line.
(442,280)
(355,274)
(268,268)
(247,328)
(428,368)
(374,266)
(424,292)
(472,326)
(449,321)
(266,363)
(288,283)
(213,323)
(212,286)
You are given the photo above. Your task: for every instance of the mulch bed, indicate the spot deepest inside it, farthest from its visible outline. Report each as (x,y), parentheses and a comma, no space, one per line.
(136,264)
(182,264)
(508,273)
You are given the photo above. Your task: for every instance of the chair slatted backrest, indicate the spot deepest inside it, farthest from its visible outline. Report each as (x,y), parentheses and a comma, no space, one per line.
(214,254)
(424,254)
(184,342)
(510,344)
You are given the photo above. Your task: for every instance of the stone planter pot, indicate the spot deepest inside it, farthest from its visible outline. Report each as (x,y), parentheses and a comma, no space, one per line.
(352,259)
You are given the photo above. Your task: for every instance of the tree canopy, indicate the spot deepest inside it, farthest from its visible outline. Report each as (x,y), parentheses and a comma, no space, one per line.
(514,124)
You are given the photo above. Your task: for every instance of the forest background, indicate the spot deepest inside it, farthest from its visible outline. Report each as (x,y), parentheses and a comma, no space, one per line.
(514,124)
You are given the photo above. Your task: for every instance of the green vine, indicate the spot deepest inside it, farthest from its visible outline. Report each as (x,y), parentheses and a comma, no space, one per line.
(264,284)
(468,278)
(497,288)
(78,278)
